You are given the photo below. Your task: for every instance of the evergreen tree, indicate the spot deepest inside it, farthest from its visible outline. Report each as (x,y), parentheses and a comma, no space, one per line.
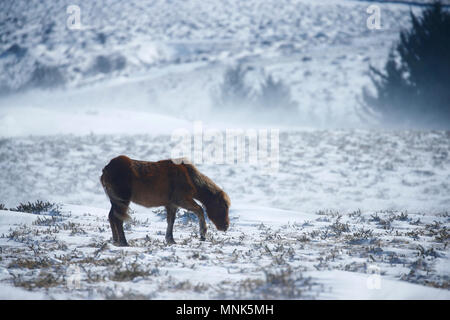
(415,85)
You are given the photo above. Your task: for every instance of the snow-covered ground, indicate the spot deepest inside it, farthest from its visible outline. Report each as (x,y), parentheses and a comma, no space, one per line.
(354,213)
(267,254)
(344,205)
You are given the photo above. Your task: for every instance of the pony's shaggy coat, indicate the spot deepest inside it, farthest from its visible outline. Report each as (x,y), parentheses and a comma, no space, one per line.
(167,183)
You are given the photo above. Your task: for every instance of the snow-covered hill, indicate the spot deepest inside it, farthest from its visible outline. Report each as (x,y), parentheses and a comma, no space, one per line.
(178,50)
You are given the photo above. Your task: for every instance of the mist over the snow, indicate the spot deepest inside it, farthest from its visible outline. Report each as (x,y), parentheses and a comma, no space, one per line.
(130,64)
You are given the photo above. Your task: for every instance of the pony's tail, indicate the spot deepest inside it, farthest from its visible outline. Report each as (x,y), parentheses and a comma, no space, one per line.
(116,181)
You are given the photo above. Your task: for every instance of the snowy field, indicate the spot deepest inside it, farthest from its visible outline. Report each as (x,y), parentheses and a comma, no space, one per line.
(353,211)
(339,220)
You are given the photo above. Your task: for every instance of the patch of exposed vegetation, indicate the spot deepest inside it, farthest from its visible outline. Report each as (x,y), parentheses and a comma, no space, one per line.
(132,271)
(43,280)
(28,263)
(38,207)
(284,283)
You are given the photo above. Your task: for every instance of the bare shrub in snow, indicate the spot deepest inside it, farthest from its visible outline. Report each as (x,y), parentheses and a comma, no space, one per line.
(236,94)
(38,207)
(46,77)
(275,96)
(108,64)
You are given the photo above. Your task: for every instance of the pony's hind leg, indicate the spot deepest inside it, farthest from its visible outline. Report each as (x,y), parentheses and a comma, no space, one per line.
(191,205)
(112,222)
(171,214)
(118,216)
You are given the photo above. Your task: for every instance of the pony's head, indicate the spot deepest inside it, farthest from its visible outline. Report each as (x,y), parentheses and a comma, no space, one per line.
(217,211)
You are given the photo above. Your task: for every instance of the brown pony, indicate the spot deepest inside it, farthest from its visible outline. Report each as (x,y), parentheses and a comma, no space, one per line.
(162,183)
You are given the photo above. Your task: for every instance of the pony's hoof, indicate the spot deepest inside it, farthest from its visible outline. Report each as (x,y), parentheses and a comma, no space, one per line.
(170,241)
(120,244)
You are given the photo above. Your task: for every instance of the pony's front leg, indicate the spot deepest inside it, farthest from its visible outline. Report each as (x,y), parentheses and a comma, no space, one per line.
(202,225)
(191,205)
(171,214)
